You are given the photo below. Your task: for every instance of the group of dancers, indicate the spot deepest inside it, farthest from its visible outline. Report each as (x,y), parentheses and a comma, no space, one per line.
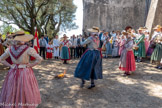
(20,87)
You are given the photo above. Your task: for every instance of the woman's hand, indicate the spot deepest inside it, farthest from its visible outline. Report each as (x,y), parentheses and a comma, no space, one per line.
(29,65)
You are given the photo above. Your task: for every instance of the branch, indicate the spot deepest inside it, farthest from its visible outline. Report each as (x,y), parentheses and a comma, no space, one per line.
(26,23)
(42,4)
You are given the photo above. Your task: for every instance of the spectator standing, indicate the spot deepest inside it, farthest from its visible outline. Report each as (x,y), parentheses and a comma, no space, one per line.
(42,44)
(73,47)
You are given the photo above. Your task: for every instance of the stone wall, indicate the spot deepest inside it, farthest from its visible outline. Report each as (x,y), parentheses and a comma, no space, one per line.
(155,14)
(113,14)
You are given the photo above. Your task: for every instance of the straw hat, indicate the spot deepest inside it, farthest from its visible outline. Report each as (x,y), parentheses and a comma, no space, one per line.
(142,28)
(94,29)
(21,36)
(157,27)
(65,36)
(124,32)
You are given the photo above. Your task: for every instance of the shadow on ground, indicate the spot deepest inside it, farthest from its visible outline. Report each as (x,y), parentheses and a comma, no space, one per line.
(143,89)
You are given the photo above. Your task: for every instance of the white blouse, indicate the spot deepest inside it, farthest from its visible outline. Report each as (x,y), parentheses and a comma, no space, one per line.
(24,58)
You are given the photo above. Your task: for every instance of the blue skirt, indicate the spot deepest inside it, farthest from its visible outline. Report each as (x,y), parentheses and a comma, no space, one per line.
(90,66)
(108,49)
(65,53)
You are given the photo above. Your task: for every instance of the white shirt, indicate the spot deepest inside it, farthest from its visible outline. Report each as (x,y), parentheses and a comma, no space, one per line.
(56,42)
(49,48)
(74,42)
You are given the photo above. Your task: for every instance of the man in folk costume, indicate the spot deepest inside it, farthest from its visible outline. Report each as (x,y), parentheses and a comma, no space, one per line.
(56,44)
(20,85)
(157,31)
(127,60)
(80,47)
(140,52)
(157,53)
(65,51)
(49,48)
(73,40)
(90,65)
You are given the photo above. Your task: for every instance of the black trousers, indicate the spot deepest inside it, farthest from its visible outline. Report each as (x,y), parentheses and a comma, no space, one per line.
(42,50)
(73,52)
(80,51)
(101,43)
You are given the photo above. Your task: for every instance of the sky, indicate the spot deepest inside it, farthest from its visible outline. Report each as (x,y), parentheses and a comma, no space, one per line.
(79,20)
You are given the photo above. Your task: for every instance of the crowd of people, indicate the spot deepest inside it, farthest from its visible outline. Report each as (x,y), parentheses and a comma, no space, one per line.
(63,48)
(144,45)
(20,85)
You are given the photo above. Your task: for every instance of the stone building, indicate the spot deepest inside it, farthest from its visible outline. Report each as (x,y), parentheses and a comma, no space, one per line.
(115,14)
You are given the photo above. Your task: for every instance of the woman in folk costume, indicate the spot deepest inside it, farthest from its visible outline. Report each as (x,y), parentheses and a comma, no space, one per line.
(147,42)
(20,86)
(127,60)
(90,65)
(65,51)
(49,48)
(122,42)
(140,52)
(56,44)
(157,30)
(108,46)
(115,50)
(1,46)
(157,53)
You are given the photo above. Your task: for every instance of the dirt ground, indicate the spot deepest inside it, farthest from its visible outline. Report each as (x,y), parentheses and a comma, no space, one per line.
(143,89)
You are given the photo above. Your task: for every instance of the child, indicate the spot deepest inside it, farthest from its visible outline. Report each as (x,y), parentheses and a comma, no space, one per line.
(115,48)
(49,50)
(108,46)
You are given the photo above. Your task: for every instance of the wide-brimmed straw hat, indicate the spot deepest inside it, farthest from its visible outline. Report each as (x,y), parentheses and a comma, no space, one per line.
(65,36)
(94,29)
(157,27)
(21,36)
(142,28)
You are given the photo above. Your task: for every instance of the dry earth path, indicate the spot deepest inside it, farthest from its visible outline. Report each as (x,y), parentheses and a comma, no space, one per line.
(143,89)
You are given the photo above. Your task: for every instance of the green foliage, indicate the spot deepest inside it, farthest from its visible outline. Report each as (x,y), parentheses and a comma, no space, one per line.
(49,16)
(7,28)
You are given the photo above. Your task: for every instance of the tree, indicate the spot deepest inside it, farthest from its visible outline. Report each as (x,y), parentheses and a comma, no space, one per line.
(7,28)
(46,15)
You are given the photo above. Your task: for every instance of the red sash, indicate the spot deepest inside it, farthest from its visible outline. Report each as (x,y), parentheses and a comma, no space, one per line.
(65,42)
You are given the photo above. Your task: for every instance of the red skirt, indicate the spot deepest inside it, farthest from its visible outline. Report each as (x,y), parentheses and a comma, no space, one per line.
(130,62)
(48,55)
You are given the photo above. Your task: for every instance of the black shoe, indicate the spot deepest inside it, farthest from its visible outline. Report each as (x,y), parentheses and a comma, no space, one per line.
(91,86)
